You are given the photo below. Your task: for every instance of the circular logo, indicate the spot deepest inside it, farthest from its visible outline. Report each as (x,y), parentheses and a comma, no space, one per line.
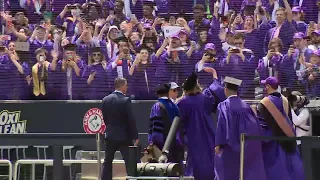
(93,121)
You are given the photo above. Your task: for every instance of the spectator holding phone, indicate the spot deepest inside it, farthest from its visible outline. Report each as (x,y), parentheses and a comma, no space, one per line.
(98,79)
(294,71)
(313,70)
(240,64)
(69,22)
(271,63)
(66,74)
(40,75)
(207,66)
(315,40)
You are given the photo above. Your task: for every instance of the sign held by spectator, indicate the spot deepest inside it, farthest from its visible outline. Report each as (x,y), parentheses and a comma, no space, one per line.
(170,30)
(93,121)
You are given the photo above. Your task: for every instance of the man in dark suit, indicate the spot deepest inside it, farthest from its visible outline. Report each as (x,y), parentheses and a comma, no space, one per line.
(121,127)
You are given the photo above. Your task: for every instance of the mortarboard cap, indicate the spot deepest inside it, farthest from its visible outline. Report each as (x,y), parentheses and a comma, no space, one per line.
(191,82)
(149,40)
(271,81)
(232,83)
(70,47)
(40,26)
(95,49)
(150,3)
(163,89)
(62,28)
(143,46)
(121,39)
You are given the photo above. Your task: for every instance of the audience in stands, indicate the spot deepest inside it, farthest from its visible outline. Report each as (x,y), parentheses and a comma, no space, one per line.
(53,51)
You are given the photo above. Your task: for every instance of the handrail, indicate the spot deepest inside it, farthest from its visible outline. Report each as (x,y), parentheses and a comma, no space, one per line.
(4,161)
(307,144)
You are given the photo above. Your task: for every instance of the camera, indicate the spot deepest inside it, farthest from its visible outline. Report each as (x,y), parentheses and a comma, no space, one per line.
(295,98)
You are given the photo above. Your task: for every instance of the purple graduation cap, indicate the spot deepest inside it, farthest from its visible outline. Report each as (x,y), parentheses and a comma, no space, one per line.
(271,81)
(297,9)
(175,36)
(299,35)
(209,46)
(316,52)
(316,32)
(183,32)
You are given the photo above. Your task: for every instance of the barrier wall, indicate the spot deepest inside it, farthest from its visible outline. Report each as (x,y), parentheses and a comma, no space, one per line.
(67,116)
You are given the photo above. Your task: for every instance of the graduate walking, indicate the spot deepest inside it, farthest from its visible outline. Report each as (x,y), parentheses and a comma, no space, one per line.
(234,118)
(282,160)
(195,112)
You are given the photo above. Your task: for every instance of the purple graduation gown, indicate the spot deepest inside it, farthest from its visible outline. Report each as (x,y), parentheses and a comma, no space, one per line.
(167,70)
(234,118)
(195,111)
(243,70)
(5,73)
(101,85)
(280,164)
(143,86)
(21,88)
(58,83)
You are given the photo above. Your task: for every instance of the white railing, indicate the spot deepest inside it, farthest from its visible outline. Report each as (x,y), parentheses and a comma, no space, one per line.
(7,162)
(49,162)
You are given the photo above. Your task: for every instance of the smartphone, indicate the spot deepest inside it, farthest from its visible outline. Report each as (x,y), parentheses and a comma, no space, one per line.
(235,50)
(312,24)
(292,46)
(315,69)
(41,58)
(2,48)
(71,7)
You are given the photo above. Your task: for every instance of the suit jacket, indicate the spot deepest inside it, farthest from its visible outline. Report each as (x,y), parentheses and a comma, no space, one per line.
(119,118)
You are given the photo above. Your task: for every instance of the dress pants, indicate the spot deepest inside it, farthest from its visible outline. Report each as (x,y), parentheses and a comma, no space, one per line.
(110,148)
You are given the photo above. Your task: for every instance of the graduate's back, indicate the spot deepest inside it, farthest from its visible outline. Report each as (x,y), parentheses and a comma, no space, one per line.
(195,113)
(234,118)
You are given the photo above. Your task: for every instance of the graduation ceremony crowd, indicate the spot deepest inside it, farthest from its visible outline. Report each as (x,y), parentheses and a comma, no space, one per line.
(76,49)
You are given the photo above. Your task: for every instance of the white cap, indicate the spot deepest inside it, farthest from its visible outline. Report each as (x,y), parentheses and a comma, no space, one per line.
(174,85)
(231,80)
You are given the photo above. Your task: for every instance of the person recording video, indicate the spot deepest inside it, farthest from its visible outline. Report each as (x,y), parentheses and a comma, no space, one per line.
(300,114)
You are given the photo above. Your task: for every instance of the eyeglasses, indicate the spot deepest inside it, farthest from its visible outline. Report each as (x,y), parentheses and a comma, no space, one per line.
(96,54)
(238,43)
